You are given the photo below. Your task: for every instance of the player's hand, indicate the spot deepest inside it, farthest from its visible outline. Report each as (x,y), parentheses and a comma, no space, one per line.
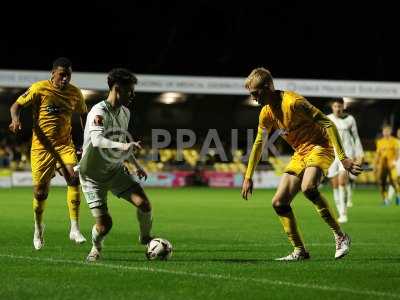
(79,152)
(141,174)
(247,188)
(136,145)
(351,166)
(132,145)
(15,126)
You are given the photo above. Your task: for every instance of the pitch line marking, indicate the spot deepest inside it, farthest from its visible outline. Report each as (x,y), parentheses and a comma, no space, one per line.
(212,276)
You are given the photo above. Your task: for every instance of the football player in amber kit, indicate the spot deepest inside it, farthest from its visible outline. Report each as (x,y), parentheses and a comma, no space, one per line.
(53,102)
(312,136)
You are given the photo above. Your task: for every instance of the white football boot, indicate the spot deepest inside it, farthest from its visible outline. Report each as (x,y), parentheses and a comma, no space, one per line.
(38,239)
(342,246)
(94,254)
(296,255)
(77,237)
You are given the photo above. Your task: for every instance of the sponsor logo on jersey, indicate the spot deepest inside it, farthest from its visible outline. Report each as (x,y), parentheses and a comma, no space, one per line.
(52,109)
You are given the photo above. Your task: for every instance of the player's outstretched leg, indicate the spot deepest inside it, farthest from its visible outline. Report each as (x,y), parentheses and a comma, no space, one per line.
(143,214)
(309,187)
(99,231)
(342,239)
(145,224)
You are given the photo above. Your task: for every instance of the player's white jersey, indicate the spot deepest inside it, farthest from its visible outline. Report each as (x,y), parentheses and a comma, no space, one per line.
(347,128)
(100,163)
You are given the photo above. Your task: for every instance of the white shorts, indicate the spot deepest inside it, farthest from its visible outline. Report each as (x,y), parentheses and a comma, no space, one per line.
(335,168)
(121,184)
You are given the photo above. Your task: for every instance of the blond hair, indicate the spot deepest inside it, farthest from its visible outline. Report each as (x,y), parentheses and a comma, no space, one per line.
(258,78)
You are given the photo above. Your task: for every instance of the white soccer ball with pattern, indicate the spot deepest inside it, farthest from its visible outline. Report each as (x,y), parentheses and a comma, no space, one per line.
(159,249)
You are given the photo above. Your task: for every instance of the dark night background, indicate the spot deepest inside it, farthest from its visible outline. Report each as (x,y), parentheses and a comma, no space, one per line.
(328,40)
(294,40)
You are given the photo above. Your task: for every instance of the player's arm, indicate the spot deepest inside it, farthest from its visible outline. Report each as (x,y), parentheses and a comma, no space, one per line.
(140,172)
(96,131)
(15,110)
(256,152)
(254,159)
(95,122)
(82,117)
(357,141)
(309,111)
(81,109)
(377,154)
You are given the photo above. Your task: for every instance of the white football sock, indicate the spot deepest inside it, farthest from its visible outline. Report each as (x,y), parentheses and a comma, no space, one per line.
(336,198)
(97,238)
(391,192)
(38,226)
(145,222)
(342,201)
(74,225)
(349,193)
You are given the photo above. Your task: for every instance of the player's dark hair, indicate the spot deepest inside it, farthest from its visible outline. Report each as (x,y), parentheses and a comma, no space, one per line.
(120,76)
(338,100)
(62,62)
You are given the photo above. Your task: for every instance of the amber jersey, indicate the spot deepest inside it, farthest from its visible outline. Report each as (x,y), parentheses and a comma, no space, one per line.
(52,111)
(303,126)
(295,118)
(387,149)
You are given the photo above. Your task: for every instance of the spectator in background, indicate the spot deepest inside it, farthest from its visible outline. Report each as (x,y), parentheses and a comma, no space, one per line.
(6,155)
(387,153)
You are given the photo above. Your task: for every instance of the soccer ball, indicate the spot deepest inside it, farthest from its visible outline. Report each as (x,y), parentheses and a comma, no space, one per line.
(159,249)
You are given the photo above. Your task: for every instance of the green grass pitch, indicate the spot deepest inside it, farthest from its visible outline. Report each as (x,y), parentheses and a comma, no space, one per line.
(223,249)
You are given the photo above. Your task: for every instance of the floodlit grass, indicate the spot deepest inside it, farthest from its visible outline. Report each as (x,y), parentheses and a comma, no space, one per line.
(223,249)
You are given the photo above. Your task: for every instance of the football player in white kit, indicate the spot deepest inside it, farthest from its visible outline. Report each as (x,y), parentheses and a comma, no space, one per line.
(347,127)
(101,168)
